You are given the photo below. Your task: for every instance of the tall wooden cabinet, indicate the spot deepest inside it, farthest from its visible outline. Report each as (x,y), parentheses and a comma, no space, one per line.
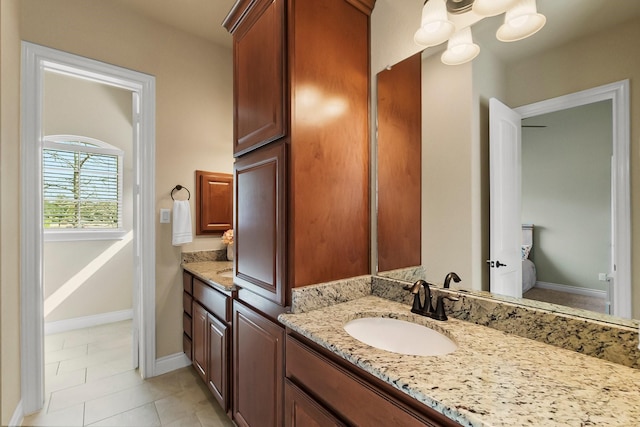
(301,176)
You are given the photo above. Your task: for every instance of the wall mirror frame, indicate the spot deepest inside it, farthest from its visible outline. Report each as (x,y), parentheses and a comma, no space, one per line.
(604,31)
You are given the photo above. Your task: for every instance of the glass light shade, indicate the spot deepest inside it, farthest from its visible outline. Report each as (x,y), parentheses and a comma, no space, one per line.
(460,48)
(435,27)
(492,7)
(521,21)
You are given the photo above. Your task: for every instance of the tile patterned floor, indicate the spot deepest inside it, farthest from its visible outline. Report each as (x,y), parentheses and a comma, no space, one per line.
(89,382)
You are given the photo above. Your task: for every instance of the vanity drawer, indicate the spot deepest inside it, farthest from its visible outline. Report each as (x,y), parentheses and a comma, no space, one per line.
(187,282)
(187,302)
(348,395)
(215,302)
(186,324)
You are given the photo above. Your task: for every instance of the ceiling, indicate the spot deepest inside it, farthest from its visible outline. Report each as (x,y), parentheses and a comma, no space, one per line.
(566,20)
(202,18)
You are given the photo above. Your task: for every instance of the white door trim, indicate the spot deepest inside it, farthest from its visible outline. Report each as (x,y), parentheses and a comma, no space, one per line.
(618,93)
(35,60)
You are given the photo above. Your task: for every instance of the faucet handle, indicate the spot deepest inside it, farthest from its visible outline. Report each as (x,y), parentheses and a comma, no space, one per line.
(415,291)
(440,313)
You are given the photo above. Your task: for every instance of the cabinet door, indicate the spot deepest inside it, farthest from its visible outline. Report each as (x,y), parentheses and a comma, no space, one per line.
(258,368)
(260,223)
(218,381)
(302,411)
(214,202)
(259,78)
(199,340)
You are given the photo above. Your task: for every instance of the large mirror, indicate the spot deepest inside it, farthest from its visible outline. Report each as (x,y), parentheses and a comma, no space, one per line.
(584,45)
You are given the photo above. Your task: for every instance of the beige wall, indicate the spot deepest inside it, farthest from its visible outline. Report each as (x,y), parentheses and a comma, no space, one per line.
(80,107)
(447,238)
(9,209)
(193,113)
(489,77)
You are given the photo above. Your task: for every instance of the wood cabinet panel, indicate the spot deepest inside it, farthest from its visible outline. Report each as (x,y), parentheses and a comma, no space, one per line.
(302,411)
(218,363)
(187,346)
(214,202)
(212,300)
(399,165)
(353,399)
(259,83)
(187,282)
(329,171)
(260,223)
(187,325)
(187,301)
(258,369)
(199,339)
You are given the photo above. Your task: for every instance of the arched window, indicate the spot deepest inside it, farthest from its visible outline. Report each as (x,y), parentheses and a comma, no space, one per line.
(81,187)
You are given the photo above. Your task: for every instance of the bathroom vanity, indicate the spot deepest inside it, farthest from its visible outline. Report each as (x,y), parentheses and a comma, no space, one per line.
(494,378)
(207,300)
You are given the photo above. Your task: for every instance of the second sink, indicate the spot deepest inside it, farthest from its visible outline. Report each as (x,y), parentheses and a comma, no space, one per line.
(400,336)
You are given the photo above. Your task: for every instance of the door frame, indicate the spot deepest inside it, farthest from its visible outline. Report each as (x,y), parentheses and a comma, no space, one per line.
(618,93)
(36,60)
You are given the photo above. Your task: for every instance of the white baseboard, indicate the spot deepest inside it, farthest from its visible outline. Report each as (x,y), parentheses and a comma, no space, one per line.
(572,289)
(171,363)
(17,417)
(86,321)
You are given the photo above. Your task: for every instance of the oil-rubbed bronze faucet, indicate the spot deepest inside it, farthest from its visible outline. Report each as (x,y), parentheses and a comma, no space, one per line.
(448,278)
(422,308)
(426,308)
(440,313)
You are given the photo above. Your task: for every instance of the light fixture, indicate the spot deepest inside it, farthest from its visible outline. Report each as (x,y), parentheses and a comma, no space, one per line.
(460,48)
(435,27)
(492,7)
(521,21)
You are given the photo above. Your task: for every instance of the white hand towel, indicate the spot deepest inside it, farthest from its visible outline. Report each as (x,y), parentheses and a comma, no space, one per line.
(181,223)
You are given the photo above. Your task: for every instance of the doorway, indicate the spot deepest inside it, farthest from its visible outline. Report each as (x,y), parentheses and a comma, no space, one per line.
(620,274)
(38,60)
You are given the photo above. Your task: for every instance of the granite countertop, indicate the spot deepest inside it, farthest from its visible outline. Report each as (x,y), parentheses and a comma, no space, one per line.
(209,272)
(492,379)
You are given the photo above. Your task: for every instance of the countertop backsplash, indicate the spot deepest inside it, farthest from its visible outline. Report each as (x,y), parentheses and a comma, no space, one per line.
(201,256)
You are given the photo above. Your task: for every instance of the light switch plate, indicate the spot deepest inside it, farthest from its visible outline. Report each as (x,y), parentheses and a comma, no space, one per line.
(165,216)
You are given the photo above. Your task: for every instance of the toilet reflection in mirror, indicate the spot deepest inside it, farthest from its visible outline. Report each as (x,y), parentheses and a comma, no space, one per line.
(455,172)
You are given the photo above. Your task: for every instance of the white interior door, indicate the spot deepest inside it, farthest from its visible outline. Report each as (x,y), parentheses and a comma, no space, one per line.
(505,143)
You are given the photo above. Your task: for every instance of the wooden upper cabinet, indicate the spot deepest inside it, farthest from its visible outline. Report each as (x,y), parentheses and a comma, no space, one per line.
(259,76)
(214,202)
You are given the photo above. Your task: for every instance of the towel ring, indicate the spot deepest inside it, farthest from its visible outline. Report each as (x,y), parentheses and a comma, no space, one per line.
(178,188)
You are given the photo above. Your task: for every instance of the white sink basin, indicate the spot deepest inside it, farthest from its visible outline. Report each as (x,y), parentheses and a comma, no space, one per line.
(399,336)
(226,273)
